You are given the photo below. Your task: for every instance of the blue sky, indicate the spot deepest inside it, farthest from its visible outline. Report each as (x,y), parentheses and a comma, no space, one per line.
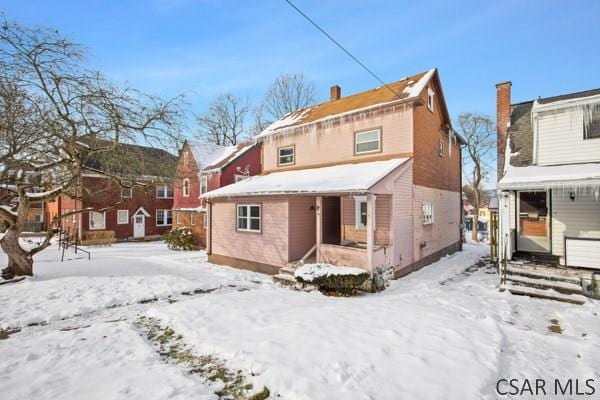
(206,47)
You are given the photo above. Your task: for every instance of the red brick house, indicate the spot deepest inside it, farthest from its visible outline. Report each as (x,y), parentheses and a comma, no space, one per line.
(204,167)
(141,212)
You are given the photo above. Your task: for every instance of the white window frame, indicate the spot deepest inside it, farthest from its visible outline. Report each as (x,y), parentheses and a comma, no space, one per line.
(123,196)
(203,184)
(441,148)
(126,217)
(185,158)
(74,216)
(248,218)
(357,141)
(164,219)
(163,192)
(205,220)
(430,99)
(428,214)
(192,218)
(293,155)
(94,228)
(186,187)
(358,200)
(177,213)
(239,178)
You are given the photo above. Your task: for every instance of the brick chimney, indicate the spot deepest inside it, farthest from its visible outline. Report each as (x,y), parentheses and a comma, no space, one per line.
(502,121)
(335,92)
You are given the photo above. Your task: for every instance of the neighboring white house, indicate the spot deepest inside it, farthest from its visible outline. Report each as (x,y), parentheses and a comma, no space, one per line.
(549,177)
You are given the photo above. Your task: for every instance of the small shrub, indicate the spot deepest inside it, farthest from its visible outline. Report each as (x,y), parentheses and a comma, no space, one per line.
(99,238)
(332,279)
(180,239)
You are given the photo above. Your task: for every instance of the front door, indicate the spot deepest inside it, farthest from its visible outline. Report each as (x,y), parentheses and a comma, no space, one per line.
(139,226)
(533,227)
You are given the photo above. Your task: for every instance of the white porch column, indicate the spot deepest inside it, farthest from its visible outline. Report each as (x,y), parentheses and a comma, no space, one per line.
(319,225)
(370,229)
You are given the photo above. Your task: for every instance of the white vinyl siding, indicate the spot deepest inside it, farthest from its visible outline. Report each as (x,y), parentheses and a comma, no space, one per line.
(367,142)
(579,218)
(562,130)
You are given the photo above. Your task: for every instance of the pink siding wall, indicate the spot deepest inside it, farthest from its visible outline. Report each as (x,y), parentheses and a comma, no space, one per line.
(302,224)
(382,217)
(444,231)
(268,247)
(402,253)
(335,142)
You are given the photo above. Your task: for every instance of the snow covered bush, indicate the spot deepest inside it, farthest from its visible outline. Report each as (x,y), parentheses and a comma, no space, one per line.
(332,279)
(180,239)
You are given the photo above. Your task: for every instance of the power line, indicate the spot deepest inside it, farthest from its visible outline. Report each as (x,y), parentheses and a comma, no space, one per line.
(341,47)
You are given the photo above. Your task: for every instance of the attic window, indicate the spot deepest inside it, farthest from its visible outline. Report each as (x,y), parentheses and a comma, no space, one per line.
(186,187)
(430,95)
(285,155)
(591,125)
(185,158)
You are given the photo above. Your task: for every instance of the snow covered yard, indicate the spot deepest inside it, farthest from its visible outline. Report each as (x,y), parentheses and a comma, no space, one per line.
(442,332)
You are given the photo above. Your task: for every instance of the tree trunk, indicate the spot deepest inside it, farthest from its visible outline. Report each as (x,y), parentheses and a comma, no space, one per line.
(475,223)
(20,262)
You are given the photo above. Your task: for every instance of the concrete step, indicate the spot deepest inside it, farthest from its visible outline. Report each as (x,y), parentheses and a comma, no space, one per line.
(285,279)
(546,284)
(287,270)
(545,273)
(544,294)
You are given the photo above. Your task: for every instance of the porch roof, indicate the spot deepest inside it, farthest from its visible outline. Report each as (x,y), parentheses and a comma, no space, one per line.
(551,176)
(347,178)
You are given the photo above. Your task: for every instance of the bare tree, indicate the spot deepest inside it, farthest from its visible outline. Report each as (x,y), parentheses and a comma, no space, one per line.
(287,93)
(479,133)
(55,116)
(225,121)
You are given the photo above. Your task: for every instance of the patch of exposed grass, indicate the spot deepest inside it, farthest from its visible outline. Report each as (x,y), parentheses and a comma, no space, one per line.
(555,327)
(171,347)
(5,333)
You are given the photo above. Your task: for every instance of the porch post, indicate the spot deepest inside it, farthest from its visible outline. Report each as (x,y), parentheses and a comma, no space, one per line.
(319,224)
(370,229)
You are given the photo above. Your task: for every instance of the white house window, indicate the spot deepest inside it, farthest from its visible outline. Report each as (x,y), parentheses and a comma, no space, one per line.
(193,218)
(185,158)
(360,212)
(441,148)
(285,155)
(203,184)
(205,220)
(430,101)
(122,217)
(239,178)
(126,193)
(367,142)
(164,217)
(186,187)
(164,192)
(97,220)
(427,213)
(74,216)
(248,217)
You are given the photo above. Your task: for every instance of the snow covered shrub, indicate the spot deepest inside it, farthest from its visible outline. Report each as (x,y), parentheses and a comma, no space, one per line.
(180,239)
(331,279)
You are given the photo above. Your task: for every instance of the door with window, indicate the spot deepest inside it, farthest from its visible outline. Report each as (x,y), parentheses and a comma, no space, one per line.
(139,226)
(533,222)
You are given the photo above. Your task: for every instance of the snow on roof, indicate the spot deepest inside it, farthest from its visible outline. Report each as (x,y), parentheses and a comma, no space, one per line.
(209,154)
(402,90)
(347,178)
(543,177)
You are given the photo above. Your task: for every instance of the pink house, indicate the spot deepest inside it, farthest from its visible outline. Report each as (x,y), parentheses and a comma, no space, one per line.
(371,180)
(203,167)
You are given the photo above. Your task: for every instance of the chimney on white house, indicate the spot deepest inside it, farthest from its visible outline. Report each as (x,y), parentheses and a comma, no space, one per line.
(335,92)
(502,121)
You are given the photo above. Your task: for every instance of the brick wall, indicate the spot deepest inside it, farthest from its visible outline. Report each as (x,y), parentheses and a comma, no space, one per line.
(502,121)
(431,169)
